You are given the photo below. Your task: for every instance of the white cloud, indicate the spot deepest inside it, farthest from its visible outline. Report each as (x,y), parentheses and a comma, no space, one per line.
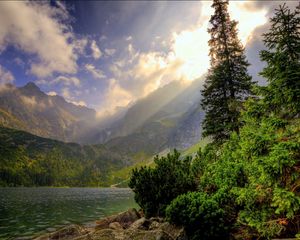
(147,72)
(36,28)
(97,73)
(67,81)
(110,51)
(5,76)
(32,102)
(115,97)
(191,46)
(80,45)
(135,74)
(79,103)
(65,92)
(52,93)
(96,52)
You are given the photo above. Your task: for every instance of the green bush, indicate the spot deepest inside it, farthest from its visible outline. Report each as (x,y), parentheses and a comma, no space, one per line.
(156,187)
(203,216)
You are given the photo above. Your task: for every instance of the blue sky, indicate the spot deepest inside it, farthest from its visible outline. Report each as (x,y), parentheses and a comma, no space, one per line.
(109,54)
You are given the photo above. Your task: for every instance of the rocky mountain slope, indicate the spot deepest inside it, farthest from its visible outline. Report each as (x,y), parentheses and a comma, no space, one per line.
(170,117)
(28,108)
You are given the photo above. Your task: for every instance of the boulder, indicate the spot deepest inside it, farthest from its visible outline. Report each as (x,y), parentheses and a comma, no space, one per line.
(103,223)
(175,232)
(157,219)
(141,223)
(115,225)
(128,225)
(128,217)
(148,235)
(129,234)
(154,225)
(66,233)
(125,219)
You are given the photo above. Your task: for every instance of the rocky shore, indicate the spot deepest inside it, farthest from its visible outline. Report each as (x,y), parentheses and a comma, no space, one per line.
(129,225)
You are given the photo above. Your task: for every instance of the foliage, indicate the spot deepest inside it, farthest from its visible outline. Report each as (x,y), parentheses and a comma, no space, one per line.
(282,58)
(204,216)
(227,83)
(156,187)
(28,160)
(248,186)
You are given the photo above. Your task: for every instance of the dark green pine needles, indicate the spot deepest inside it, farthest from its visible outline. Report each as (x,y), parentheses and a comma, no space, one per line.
(283,66)
(228,82)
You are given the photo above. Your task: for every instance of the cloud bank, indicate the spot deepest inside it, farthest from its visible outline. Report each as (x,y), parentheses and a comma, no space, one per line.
(38,29)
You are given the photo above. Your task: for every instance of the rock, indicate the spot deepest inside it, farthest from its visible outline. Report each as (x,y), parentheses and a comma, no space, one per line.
(175,232)
(141,223)
(103,223)
(108,234)
(124,226)
(157,219)
(69,232)
(129,234)
(115,225)
(154,225)
(125,219)
(141,213)
(148,235)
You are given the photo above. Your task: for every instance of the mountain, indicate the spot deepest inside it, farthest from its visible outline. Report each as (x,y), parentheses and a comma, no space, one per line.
(28,108)
(29,160)
(170,117)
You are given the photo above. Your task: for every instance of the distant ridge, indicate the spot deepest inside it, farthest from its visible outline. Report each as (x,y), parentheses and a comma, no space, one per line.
(28,108)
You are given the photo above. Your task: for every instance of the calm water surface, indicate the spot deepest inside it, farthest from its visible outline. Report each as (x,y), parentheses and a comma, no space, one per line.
(26,212)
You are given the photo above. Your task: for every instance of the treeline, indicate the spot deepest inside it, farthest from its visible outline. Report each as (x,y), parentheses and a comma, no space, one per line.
(28,160)
(246,183)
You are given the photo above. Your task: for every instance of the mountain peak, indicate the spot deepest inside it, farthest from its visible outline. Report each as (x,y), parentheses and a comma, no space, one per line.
(32,86)
(31,89)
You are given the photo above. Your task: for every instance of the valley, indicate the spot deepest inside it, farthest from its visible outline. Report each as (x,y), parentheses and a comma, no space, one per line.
(47,141)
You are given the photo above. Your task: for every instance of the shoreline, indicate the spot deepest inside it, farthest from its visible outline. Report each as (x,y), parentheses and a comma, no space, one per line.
(127,225)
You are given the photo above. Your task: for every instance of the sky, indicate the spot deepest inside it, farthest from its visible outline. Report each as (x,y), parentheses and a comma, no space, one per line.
(107,55)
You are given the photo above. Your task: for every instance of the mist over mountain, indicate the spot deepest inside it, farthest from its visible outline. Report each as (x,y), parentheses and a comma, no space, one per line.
(28,108)
(170,117)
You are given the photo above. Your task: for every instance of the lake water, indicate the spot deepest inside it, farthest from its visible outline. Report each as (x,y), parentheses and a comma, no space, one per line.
(25,212)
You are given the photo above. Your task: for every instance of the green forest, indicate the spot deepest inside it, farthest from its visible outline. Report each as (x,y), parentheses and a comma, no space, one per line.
(29,160)
(245,184)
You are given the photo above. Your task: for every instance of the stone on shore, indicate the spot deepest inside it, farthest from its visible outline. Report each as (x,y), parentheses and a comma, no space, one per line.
(128,225)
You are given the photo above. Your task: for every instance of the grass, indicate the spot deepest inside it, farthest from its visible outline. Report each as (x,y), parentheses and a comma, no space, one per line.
(193,149)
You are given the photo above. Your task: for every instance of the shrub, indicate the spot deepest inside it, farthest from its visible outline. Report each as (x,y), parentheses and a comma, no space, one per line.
(156,187)
(202,215)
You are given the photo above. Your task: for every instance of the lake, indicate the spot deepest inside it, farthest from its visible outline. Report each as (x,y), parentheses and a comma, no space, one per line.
(27,212)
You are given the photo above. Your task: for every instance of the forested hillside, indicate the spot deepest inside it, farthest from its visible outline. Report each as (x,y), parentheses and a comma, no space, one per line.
(28,160)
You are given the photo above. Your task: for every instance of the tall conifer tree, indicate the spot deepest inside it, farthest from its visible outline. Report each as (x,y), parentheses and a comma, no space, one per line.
(283,62)
(228,82)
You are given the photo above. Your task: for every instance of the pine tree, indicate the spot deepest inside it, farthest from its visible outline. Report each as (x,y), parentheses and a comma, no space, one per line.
(228,82)
(283,66)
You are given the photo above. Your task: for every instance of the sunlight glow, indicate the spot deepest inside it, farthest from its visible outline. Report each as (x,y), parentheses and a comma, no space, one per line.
(248,20)
(191,46)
